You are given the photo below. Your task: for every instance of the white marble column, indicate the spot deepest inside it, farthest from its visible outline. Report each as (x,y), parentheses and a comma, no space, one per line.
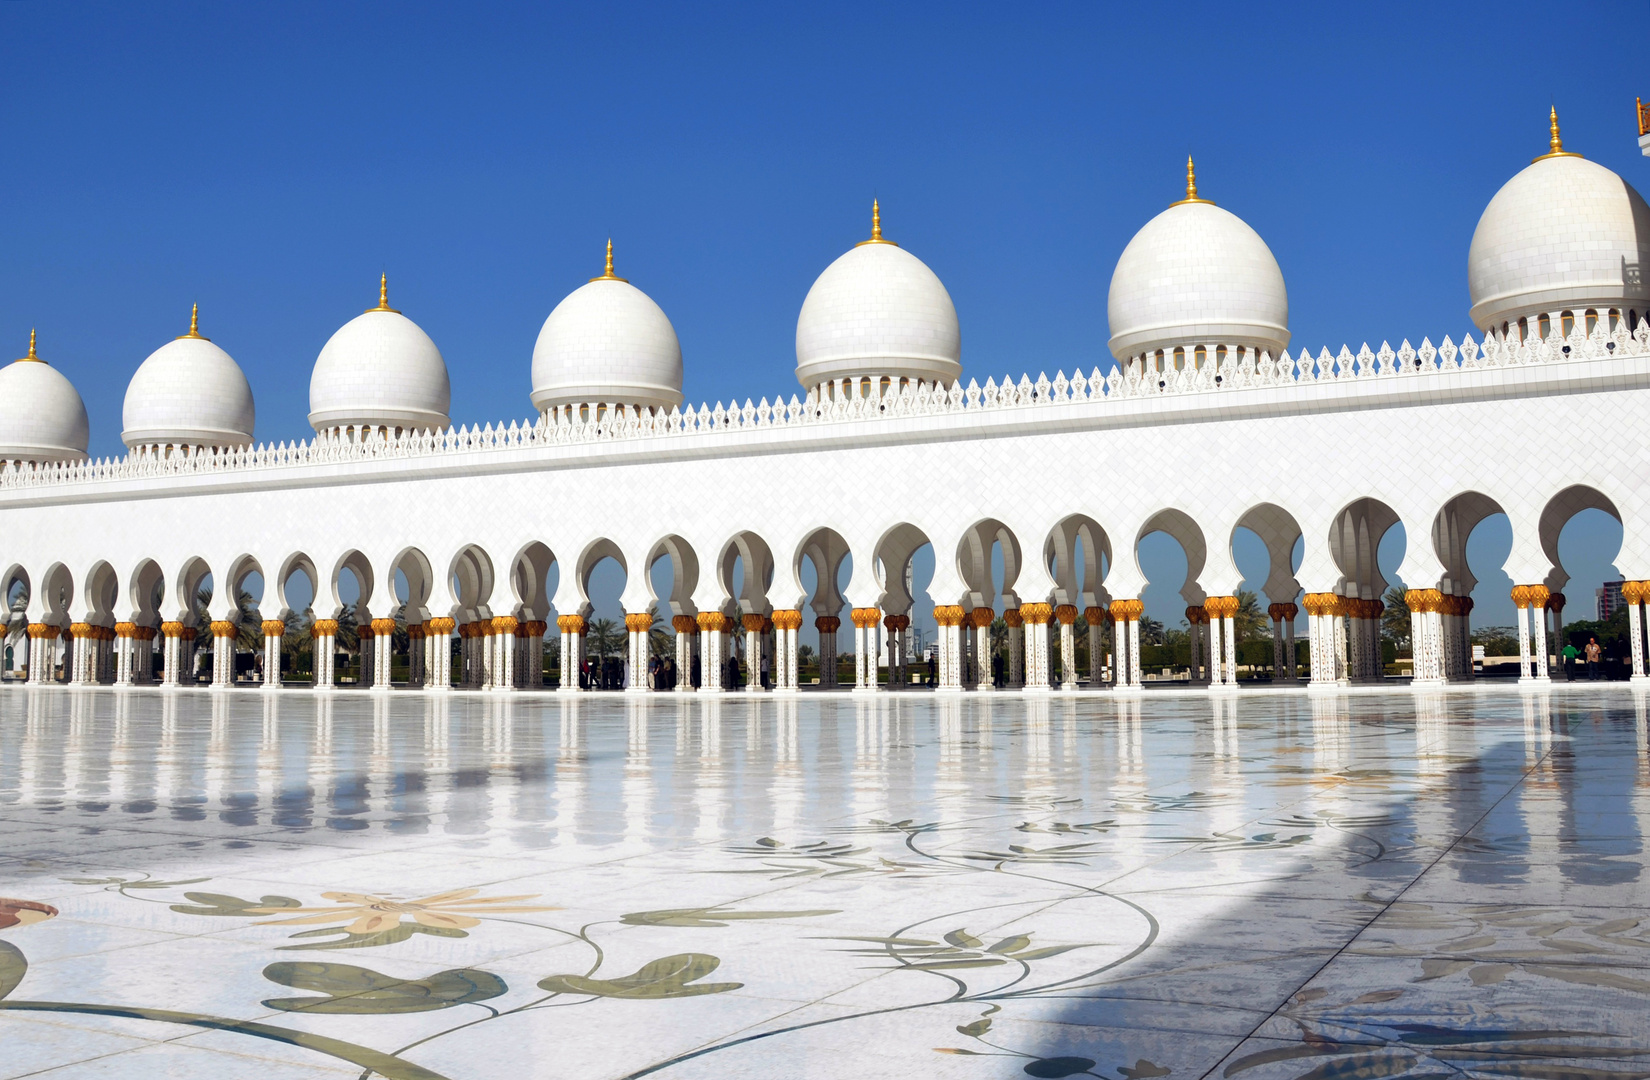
(1633,592)
(827,625)
(1538,612)
(711,624)
(1037,618)
(1066,616)
(980,620)
(1120,643)
(1014,677)
(438,653)
(1096,618)
(637,628)
(273,629)
(949,619)
(1521,600)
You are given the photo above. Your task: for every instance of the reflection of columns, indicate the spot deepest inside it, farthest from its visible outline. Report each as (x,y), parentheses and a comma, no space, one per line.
(1036,618)
(686,627)
(1067,615)
(753,650)
(572,651)
(1095,617)
(1015,676)
(383,648)
(438,653)
(273,630)
(786,623)
(711,625)
(1633,592)
(949,617)
(827,625)
(980,620)
(325,632)
(865,648)
(637,627)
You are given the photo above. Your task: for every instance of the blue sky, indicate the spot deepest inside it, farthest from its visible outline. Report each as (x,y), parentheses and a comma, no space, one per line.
(269,161)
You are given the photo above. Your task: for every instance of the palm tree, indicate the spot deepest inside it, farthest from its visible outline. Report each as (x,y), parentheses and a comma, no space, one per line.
(1249,622)
(603,638)
(1395,619)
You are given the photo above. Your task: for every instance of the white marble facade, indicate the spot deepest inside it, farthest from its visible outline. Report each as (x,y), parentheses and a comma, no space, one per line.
(876,460)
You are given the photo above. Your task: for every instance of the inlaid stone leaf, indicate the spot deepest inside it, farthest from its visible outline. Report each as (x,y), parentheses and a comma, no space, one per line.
(13,966)
(1364,1066)
(207,903)
(1009,945)
(1489,974)
(956,1050)
(963,939)
(712,916)
(978,1027)
(343,938)
(1143,1070)
(667,977)
(1375,997)
(1437,967)
(362,991)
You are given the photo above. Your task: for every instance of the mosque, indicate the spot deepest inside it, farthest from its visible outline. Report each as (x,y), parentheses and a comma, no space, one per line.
(1032,498)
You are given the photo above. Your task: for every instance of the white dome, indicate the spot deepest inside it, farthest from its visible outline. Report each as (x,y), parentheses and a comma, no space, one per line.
(41,415)
(1196,275)
(380,370)
(1565,233)
(188,392)
(878,310)
(608,343)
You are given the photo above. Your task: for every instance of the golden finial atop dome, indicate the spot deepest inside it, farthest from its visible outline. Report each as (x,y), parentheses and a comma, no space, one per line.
(876,228)
(384,295)
(1555,145)
(608,274)
(194,325)
(31,355)
(1191,186)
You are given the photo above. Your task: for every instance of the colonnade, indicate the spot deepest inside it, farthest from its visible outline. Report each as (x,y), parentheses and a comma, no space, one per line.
(504,652)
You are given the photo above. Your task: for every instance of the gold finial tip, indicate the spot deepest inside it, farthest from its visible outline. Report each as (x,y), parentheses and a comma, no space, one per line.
(876,228)
(194,325)
(608,274)
(1191,184)
(1555,145)
(384,295)
(31,355)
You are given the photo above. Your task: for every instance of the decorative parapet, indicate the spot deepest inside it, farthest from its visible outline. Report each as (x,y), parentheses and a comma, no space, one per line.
(1205,369)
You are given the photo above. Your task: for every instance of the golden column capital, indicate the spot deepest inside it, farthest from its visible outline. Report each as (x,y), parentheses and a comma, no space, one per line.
(827,624)
(1066,613)
(383,626)
(1036,614)
(684,624)
(570,624)
(273,627)
(1013,618)
(442,624)
(948,614)
(638,622)
(1094,615)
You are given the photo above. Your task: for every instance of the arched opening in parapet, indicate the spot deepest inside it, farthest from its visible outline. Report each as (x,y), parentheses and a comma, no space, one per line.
(905,569)
(1171,551)
(824,566)
(1267,548)
(1581,534)
(1077,553)
(745,571)
(672,575)
(603,575)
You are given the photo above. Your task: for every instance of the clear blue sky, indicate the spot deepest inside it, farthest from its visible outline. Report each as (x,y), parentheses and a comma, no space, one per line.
(268,161)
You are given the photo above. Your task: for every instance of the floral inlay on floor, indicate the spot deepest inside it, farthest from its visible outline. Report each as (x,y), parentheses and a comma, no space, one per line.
(1269,887)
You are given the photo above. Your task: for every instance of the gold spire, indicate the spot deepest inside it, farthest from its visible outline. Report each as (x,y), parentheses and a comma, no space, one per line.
(194,325)
(876,228)
(384,295)
(1191,186)
(608,274)
(1555,145)
(31,355)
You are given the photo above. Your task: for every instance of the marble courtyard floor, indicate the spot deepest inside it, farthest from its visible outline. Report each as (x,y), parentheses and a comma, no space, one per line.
(1267,887)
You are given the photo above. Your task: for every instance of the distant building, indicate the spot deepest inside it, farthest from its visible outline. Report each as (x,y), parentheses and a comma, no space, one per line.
(1609,599)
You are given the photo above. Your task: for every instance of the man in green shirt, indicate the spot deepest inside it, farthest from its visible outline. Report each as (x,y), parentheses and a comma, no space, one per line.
(1570,654)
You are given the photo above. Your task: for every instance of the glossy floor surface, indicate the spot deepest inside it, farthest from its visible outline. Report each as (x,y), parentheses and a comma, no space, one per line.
(1267,886)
